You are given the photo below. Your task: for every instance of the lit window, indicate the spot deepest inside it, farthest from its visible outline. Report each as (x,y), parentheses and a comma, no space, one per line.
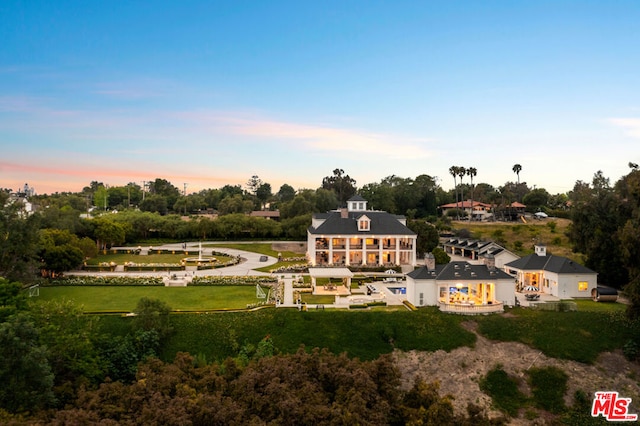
(583,286)
(363,225)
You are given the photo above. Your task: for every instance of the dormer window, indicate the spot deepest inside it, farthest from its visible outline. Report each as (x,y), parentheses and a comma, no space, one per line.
(357,204)
(364,223)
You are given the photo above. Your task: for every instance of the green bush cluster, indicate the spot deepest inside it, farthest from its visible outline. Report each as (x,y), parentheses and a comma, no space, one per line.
(232,280)
(548,386)
(105,281)
(503,390)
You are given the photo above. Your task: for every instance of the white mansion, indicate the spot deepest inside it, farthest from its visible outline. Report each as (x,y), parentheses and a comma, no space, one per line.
(357,236)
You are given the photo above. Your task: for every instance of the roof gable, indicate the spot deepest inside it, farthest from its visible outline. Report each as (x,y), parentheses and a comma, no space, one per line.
(380,223)
(550,263)
(459,271)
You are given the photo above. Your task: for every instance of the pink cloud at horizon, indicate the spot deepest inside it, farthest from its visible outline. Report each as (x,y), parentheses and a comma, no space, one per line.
(48,180)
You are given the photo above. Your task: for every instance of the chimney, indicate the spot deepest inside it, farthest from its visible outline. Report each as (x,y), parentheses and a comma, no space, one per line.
(540,249)
(430,261)
(344,213)
(490,261)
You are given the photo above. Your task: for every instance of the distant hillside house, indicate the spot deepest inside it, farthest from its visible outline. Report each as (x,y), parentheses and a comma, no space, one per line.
(554,275)
(266,214)
(461,287)
(477,210)
(357,236)
(474,251)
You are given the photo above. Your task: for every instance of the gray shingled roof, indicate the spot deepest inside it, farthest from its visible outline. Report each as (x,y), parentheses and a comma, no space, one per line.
(356,197)
(381,223)
(459,271)
(551,263)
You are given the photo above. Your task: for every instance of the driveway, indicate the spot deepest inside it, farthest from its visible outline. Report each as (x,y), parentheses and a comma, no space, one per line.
(249,261)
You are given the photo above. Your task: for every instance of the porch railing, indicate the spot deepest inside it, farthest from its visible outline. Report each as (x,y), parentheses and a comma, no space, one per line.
(457,308)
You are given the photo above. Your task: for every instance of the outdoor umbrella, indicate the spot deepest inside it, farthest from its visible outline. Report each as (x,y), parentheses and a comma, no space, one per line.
(531,288)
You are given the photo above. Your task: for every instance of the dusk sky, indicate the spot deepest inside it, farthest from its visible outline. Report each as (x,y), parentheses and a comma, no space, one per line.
(208,93)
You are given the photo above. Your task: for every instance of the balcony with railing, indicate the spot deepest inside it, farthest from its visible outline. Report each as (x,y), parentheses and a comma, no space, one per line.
(471,308)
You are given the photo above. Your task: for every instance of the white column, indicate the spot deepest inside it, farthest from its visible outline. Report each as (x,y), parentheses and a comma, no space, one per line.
(330,260)
(380,250)
(414,242)
(364,250)
(347,248)
(397,251)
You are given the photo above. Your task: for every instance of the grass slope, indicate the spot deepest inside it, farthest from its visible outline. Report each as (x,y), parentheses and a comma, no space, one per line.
(364,334)
(520,237)
(579,336)
(125,298)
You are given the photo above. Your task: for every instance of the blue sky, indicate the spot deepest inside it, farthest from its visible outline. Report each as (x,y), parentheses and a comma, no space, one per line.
(210,93)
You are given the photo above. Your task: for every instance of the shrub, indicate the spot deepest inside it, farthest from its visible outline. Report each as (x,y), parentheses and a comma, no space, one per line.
(232,280)
(631,350)
(548,385)
(106,281)
(503,390)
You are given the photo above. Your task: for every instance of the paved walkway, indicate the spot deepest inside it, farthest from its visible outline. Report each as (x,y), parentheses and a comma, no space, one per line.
(250,261)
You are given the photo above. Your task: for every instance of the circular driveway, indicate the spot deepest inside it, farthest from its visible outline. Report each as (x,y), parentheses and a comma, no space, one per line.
(249,262)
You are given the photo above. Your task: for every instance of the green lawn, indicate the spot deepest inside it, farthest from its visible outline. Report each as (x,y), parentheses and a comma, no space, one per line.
(121,258)
(125,298)
(262,248)
(580,336)
(590,305)
(314,299)
(362,334)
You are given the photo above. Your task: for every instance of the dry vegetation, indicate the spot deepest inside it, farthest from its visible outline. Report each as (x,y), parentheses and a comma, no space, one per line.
(520,237)
(460,371)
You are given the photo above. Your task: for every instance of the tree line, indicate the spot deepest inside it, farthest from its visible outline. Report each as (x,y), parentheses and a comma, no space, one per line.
(417,197)
(605,218)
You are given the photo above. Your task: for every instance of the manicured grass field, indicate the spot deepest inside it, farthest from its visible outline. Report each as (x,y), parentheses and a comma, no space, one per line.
(262,248)
(125,298)
(121,258)
(315,299)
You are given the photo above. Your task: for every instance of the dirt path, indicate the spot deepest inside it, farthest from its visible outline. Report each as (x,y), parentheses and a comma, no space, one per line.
(460,371)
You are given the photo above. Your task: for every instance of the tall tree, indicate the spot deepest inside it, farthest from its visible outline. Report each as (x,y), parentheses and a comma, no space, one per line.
(286,193)
(462,172)
(253,184)
(596,220)
(472,172)
(25,373)
(340,183)
(453,171)
(18,242)
(263,194)
(517,168)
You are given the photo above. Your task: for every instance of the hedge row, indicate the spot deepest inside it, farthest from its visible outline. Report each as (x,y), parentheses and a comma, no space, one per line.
(232,280)
(106,281)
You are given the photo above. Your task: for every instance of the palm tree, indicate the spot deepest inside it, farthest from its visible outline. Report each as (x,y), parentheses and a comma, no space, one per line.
(453,170)
(517,168)
(462,172)
(472,171)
